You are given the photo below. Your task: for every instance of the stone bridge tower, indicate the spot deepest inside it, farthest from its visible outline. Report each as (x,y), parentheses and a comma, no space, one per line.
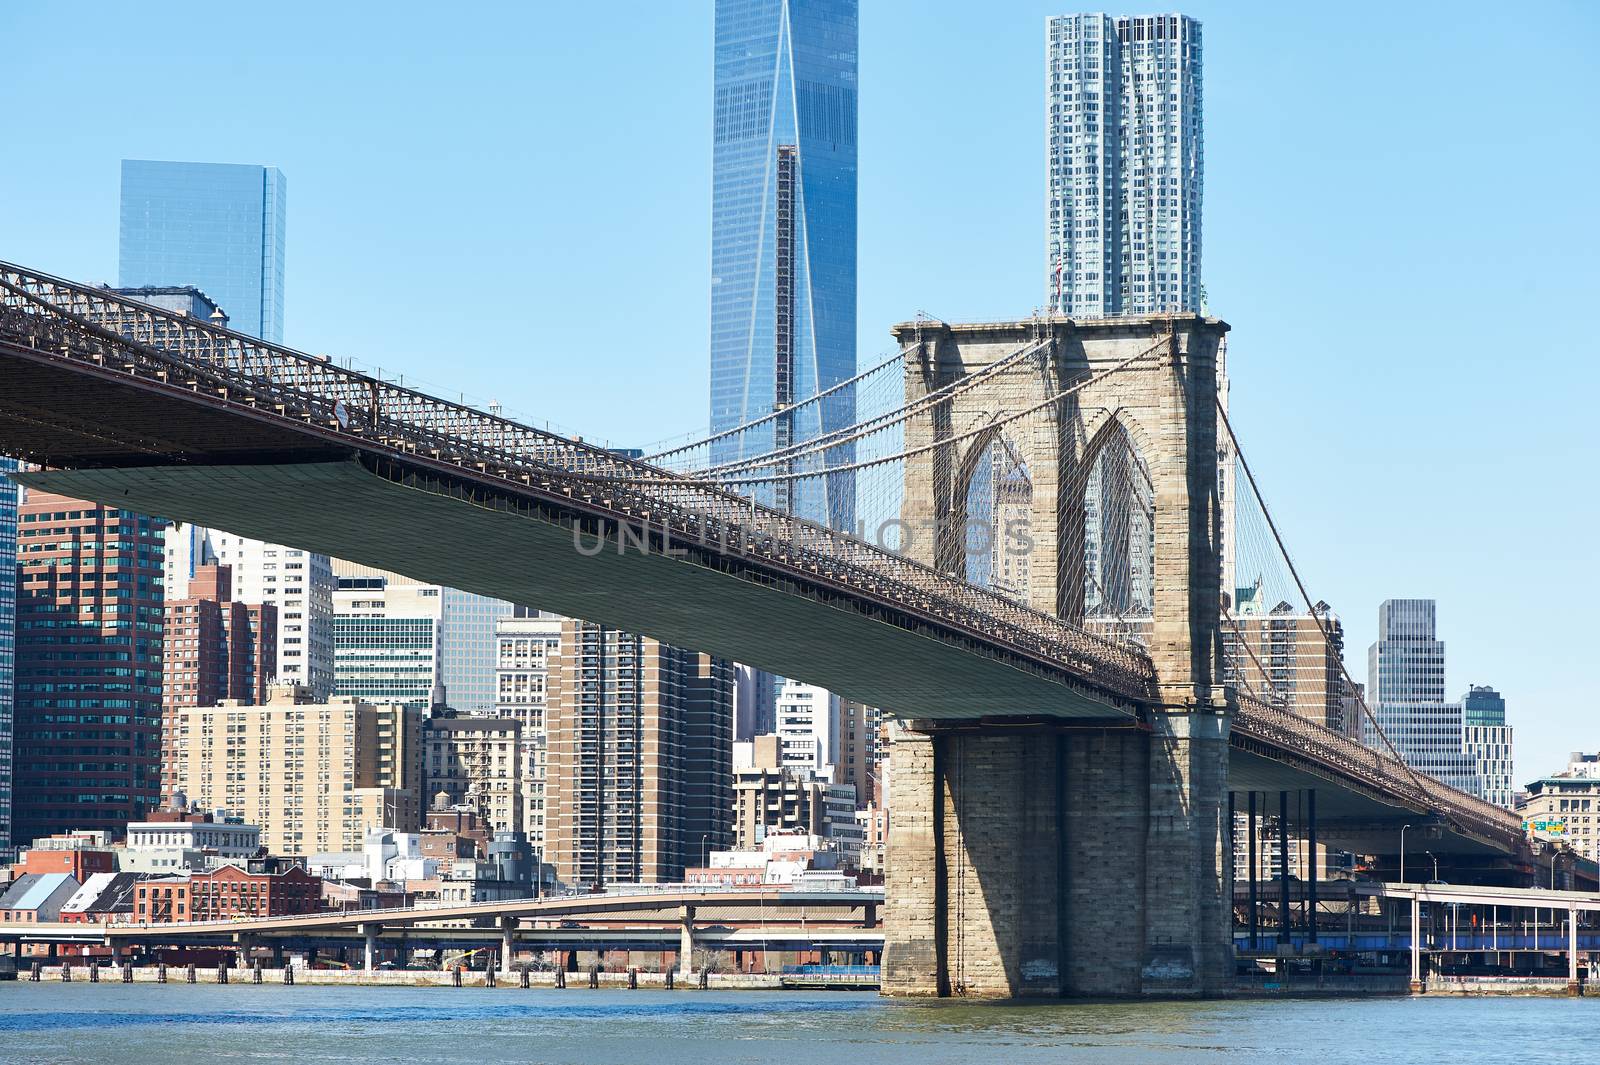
(1033,857)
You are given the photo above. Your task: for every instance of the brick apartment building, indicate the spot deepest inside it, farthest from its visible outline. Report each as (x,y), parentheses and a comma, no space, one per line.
(226,893)
(88,666)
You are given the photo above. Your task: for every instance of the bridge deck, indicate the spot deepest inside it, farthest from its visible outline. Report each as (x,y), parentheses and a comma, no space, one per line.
(160,413)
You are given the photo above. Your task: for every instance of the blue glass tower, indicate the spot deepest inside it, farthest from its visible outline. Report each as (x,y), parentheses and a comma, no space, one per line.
(783,233)
(218,226)
(8,638)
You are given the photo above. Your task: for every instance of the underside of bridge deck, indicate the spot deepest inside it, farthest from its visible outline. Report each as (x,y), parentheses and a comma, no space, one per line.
(432,531)
(1350,817)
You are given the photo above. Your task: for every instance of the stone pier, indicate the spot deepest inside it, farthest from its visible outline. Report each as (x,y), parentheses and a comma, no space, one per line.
(1039,861)
(1080,854)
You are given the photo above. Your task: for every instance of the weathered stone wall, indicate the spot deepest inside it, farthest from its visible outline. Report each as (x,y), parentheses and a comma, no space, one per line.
(1049,861)
(913,953)
(1106,824)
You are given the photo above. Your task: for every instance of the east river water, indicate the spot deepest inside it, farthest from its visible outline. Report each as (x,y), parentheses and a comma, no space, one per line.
(172,1025)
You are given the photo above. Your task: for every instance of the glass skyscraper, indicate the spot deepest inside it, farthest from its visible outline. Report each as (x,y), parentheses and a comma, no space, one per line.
(8,638)
(783,233)
(217,226)
(1125,163)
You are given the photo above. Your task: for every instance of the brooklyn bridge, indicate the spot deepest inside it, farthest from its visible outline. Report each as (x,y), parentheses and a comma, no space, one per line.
(1029,553)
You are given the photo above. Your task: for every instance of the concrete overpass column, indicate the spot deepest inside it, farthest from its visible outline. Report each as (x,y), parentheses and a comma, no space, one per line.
(508,943)
(686,940)
(1572,950)
(1416,945)
(369,934)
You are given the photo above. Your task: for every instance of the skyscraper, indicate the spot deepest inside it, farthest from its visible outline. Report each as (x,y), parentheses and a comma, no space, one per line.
(1489,743)
(640,757)
(783,232)
(8,637)
(88,673)
(1405,689)
(217,226)
(1125,164)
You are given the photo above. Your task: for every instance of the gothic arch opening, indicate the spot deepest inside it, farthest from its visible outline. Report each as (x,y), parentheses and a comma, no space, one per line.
(994,493)
(1112,534)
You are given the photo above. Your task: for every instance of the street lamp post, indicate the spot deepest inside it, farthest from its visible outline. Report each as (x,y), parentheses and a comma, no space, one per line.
(1403,853)
(1435,863)
(703,849)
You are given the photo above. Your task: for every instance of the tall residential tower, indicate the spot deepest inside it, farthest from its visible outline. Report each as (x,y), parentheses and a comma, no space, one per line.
(298,584)
(639,758)
(88,674)
(1125,164)
(1490,743)
(8,637)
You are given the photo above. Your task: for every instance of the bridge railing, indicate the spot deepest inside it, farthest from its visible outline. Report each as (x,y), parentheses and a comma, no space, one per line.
(126,336)
(1284,729)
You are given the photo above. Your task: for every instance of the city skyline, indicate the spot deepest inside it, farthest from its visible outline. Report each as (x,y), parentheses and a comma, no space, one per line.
(1440,560)
(1086,732)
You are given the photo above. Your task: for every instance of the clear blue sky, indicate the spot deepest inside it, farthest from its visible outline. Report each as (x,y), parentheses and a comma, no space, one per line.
(512,200)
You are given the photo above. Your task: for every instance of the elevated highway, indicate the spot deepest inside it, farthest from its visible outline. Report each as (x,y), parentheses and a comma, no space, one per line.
(680,921)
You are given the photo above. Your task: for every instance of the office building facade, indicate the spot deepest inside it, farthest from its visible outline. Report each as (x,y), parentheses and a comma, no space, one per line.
(217,226)
(1125,164)
(1566,808)
(640,758)
(1405,691)
(526,649)
(88,667)
(405,641)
